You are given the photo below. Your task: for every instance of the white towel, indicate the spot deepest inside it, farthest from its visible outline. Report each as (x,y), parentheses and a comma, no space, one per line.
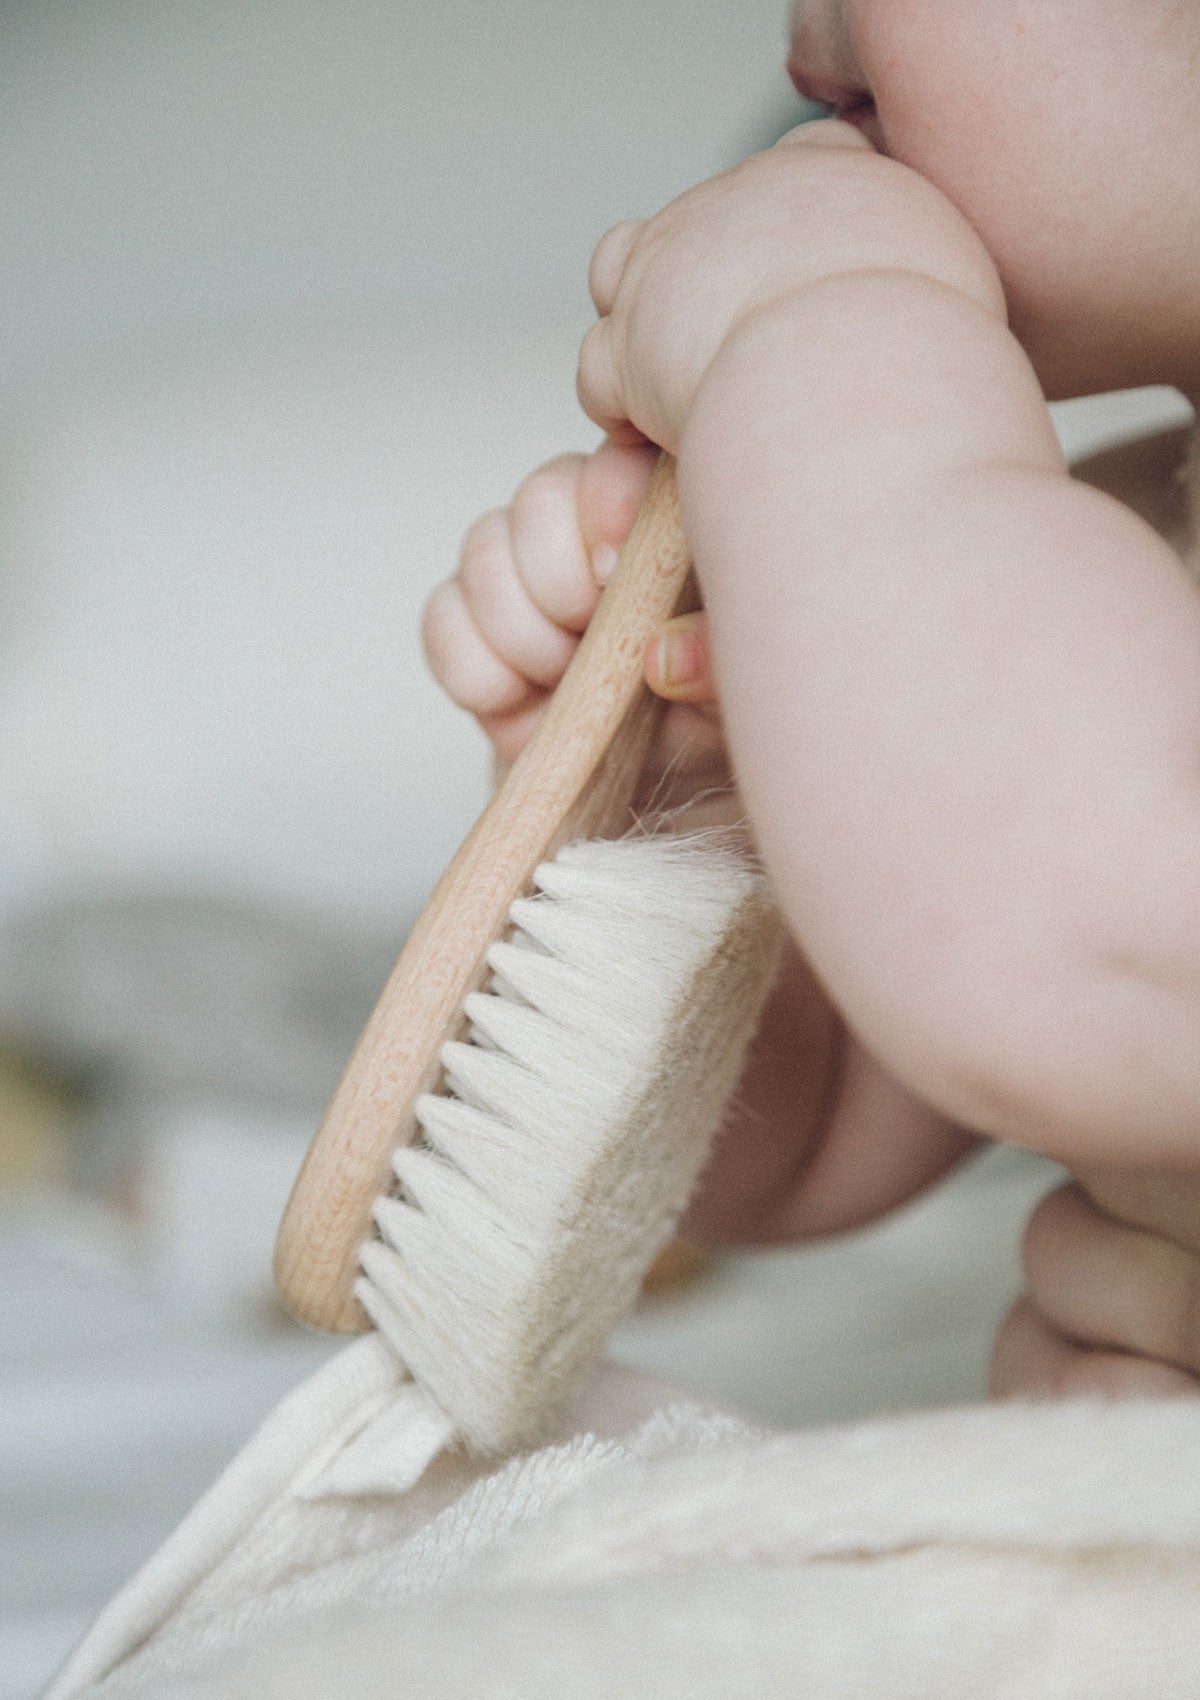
(658,1548)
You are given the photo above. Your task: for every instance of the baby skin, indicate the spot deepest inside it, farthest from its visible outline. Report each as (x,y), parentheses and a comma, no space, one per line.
(956,686)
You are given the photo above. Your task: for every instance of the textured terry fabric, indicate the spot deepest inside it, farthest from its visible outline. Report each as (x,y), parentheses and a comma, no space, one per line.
(669,1550)
(348,1494)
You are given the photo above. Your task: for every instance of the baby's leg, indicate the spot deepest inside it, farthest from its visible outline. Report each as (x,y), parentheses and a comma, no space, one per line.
(1112,1306)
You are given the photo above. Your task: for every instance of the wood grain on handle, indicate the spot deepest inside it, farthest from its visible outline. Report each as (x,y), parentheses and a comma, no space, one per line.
(575,779)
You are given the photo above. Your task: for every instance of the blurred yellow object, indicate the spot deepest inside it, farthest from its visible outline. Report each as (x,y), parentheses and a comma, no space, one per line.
(678,1265)
(35,1114)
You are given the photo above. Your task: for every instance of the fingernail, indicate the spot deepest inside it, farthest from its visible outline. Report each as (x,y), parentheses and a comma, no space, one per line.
(604,559)
(659,659)
(678,658)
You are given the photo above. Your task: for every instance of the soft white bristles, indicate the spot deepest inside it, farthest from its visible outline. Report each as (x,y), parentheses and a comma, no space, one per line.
(571,1125)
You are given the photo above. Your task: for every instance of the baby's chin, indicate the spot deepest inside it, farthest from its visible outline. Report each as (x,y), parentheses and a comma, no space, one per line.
(1088,310)
(1077,359)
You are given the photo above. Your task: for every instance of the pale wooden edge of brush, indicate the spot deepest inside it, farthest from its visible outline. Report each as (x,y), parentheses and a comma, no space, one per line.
(575,779)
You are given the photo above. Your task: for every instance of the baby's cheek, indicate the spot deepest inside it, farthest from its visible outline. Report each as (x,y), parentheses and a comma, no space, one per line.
(1007,106)
(954,82)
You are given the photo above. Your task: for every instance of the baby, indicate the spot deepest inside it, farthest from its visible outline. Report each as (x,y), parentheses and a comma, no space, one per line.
(959,686)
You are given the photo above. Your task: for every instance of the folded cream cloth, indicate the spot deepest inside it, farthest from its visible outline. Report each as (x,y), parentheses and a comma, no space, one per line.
(659,1548)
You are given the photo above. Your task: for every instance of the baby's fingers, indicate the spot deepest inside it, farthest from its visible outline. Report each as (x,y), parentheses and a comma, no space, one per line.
(612,482)
(1106,1283)
(1112,1304)
(463,662)
(502,606)
(1032,1360)
(678,663)
(550,552)
(609,259)
(600,386)
(500,633)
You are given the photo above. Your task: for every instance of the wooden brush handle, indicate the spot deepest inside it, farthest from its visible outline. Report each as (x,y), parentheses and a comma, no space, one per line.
(575,779)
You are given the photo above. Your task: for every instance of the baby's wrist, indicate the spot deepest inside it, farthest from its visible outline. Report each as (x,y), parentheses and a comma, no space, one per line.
(863,382)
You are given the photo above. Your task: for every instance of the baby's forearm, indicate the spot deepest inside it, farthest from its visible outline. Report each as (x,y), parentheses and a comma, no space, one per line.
(962,694)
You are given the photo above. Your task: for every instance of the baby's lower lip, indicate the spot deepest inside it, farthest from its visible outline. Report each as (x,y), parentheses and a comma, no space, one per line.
(822,90)
(852,108)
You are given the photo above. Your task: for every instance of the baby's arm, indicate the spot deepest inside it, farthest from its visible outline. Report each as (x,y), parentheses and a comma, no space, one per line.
(959,687)
(960,690)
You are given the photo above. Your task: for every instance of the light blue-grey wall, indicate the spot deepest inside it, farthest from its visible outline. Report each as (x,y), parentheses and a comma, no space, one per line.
(290,290)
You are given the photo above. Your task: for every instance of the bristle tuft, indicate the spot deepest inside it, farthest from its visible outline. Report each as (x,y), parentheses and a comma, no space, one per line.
(574,1119)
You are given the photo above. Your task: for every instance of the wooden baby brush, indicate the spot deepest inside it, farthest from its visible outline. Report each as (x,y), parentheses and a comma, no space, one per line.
(531,1101)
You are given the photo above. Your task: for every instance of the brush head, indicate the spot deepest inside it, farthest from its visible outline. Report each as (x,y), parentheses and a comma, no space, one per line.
(572,1124)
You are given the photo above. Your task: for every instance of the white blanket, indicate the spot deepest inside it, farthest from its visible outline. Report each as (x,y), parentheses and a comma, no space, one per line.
(658,1548)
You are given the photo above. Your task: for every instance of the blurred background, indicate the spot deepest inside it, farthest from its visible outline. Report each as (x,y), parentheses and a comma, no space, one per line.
(290,290)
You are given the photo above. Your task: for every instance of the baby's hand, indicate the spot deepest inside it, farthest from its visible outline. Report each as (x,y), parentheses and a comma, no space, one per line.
(820,205)
(499,634)
(1112,1267)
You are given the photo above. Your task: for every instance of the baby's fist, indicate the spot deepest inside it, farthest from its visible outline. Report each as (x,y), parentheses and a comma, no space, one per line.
(499,634)
(670,290)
